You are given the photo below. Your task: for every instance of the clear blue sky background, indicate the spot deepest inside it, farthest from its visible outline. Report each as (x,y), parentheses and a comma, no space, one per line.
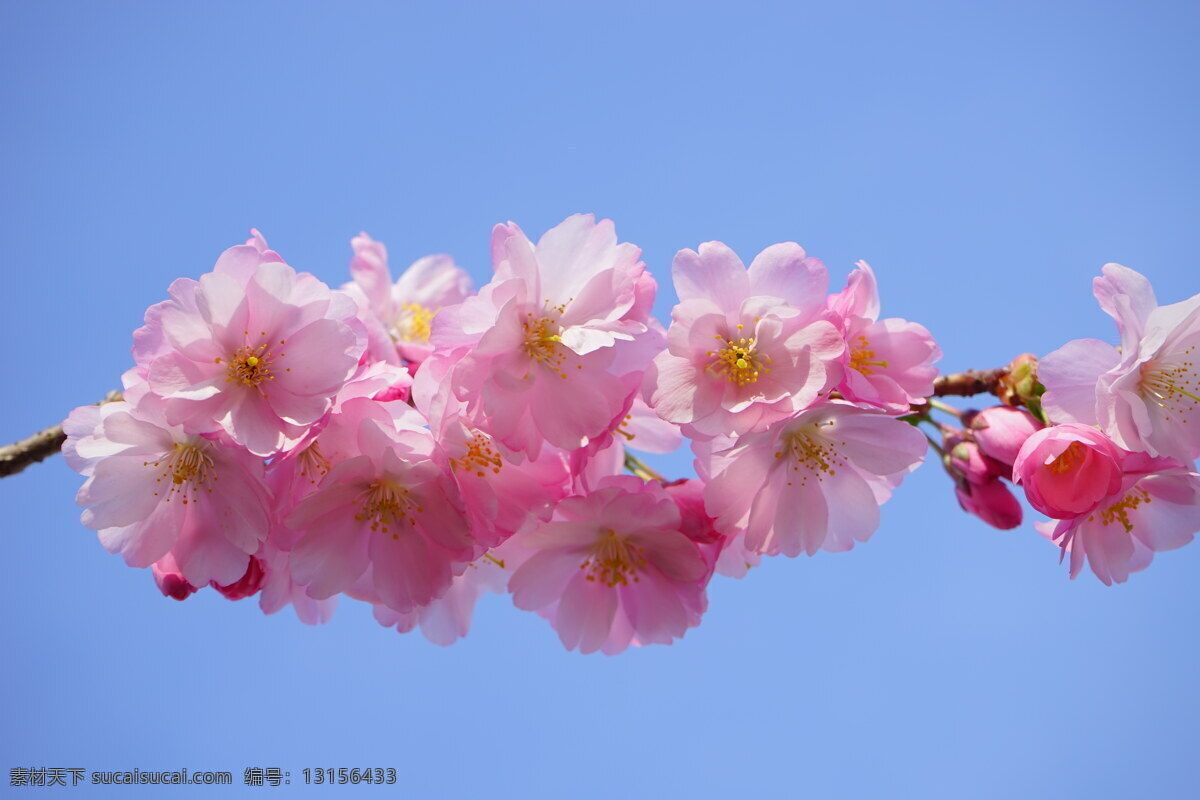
(986,158)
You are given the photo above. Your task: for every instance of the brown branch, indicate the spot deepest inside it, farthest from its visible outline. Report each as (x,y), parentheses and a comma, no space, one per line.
(32,449)
(971,382)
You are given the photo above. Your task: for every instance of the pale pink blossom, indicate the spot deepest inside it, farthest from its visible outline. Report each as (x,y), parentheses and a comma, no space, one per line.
(746,347)
(399,315)
(501,492)
(1154,509)
(613,568)
(390,508)
(378,391)
(1068,470)
(814,481)
(154,490)
(542,341)
(888,362)
(253,348)
(1146,395)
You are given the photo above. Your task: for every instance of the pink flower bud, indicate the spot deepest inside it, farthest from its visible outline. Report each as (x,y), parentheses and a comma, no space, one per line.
(247,585)
(1001,430)
(992,502)
(969,461)
(170,580)
(1068,470)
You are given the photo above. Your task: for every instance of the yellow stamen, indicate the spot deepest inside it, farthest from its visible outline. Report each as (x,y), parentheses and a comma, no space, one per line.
(737,361)
(188,468)
(1068,459)
(414,323)
(614,560)
(250,366)
(387,506)
(543,344)
(862,357)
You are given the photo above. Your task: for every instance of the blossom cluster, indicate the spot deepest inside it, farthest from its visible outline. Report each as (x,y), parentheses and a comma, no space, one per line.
(1109,454)
(415,444)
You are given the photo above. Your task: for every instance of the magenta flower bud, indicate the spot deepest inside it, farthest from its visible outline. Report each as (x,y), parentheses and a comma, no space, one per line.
(970,462)
(169,579)
(992,502)
(1068,470)
(1001,430)
(247,585)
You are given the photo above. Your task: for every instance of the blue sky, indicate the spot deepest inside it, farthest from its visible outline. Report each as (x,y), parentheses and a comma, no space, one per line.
(986,159)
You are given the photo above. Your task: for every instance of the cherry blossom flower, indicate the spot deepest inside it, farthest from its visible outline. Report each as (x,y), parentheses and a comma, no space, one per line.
(613,568)
(541,340)
(391,508)
(154,490)
(501,492)
(888,362)
(400,315)
(252,348)
(814,481)
(746,347)
(1153,509)
(1145,396)
(1068,470)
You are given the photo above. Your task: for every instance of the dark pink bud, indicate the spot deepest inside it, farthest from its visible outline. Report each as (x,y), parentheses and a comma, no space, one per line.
(170,580)
(1000,431)
(992,502)
(248,584)
(970,462)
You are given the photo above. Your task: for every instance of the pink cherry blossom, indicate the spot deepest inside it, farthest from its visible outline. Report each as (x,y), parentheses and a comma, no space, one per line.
(252,348)
(1145,396)
(746,347)
(154,490)
(391,508)
(1068,470)
(399,315)
(835,461)
(613,568)
(889,362)
(1153,509)
(542,342)
(501,492)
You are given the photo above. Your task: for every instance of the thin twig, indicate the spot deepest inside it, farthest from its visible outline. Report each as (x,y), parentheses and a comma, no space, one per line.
(32,449)
(971,382)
